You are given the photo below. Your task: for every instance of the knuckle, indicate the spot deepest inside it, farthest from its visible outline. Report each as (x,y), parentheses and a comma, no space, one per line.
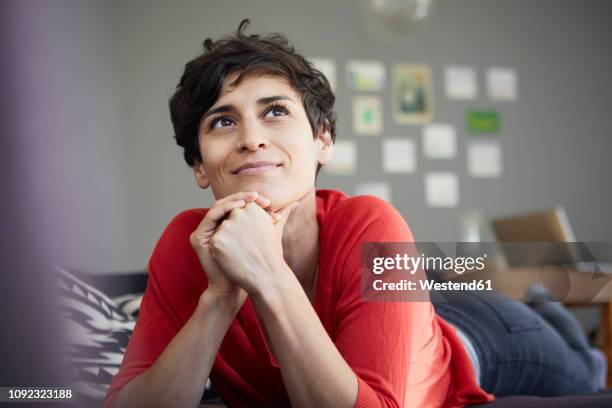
(215,240)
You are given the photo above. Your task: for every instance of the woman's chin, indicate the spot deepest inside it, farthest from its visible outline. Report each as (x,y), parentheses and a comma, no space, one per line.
(277,205)
(279,198)
(267,192)
(278,201)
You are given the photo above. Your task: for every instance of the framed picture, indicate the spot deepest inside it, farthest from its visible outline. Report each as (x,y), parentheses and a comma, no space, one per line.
(367,115)
(411,93)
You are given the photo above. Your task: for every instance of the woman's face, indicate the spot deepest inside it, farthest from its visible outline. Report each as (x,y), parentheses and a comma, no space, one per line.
(257,137)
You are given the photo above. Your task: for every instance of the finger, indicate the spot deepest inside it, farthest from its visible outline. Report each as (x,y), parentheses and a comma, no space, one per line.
(252,207)
(282,216)
(215,214)
(263,202)
(247,196)
(223,207)
(236,211)
(242,195)
(260,200)
(258,211)
(257,198)
(275,217)
(203,237)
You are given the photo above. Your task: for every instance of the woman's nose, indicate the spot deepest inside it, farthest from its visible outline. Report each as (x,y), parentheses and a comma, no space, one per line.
(251,137)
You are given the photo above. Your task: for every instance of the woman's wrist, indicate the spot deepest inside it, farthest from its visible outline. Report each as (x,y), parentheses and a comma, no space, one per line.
(225,302)
(271,293)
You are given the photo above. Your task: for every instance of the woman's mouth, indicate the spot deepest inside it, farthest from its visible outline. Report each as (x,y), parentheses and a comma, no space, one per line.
(256,167)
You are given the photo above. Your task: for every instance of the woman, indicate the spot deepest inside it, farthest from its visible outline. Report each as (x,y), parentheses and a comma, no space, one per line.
(262,290)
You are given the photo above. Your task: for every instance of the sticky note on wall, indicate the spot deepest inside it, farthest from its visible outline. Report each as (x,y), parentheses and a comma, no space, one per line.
(482,121)
(344,161)
(484,159)
(442,189)
(502,84)
(375,188)
(399,156)
(365,75)
(460,82)
(439,141)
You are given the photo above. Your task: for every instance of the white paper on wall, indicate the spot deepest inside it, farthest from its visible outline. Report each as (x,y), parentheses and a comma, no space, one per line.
(345,158)
(367,115)
(460,82)
(439,141)
(365,75)
(442,189)
(328,68)
(484,159)
(502,84)
(379,189)
(399,156)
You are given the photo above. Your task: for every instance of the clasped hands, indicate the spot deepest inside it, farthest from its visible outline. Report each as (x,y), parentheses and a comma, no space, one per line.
(239,245)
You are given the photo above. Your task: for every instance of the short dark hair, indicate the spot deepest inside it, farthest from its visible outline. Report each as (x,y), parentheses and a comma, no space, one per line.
(201,83)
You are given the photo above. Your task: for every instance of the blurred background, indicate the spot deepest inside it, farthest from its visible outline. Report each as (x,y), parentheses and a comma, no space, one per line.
(95,78)
(93,174)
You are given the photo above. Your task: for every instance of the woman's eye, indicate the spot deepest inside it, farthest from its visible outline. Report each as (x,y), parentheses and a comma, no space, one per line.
(276,111)
(221,122)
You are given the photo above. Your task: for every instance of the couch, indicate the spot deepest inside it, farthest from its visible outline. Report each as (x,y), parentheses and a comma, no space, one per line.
(100,313)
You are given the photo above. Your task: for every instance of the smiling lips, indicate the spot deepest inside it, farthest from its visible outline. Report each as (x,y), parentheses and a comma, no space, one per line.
(256,167)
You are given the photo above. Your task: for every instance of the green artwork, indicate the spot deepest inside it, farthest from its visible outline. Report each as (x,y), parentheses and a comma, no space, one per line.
(480,121)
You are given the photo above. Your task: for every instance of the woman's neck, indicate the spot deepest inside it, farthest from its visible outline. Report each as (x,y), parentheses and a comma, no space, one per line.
(301,243)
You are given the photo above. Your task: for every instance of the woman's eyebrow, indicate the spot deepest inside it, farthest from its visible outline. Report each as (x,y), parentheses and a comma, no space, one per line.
(270,99)
(229,108)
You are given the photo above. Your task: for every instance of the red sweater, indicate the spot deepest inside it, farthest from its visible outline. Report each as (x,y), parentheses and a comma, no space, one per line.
(402,352)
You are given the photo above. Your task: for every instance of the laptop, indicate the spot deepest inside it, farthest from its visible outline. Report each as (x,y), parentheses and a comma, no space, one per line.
(547,238)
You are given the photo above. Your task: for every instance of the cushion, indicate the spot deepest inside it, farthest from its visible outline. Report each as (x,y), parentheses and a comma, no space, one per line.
(100,313)
(98,329)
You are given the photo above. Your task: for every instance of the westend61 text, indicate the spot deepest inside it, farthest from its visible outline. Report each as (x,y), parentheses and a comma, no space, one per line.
(427,285)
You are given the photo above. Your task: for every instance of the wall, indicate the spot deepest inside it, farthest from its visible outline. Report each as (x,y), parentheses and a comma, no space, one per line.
(127,177)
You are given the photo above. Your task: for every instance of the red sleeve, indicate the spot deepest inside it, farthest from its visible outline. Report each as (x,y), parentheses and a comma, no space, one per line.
(375,338)
(175,282)
(403,354)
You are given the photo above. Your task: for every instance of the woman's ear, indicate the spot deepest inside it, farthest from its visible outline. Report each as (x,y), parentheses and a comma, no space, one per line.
(325,145)
(200,174)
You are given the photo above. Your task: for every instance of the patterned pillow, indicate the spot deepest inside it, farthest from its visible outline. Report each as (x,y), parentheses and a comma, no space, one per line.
(98,329)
